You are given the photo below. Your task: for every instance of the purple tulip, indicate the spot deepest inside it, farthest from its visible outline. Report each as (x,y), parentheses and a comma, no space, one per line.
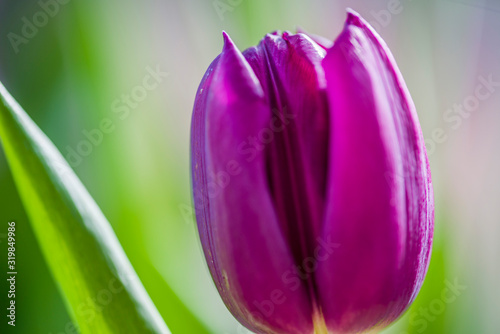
(312,186)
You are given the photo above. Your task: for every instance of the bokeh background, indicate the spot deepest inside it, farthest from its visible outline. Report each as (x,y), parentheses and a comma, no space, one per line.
(71,70)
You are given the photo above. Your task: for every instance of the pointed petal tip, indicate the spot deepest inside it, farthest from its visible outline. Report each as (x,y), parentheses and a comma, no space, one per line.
(228,42)
(353,17)
(225,37)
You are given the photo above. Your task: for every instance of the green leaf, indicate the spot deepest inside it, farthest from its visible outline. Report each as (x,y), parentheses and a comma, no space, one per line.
(102,291)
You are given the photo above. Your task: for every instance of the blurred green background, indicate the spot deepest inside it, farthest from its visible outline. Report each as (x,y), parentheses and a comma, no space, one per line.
(76,65)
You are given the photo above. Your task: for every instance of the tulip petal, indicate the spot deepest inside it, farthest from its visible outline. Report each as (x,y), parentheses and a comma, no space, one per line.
(324,42)
(379,202)
(243,242)
(289,69)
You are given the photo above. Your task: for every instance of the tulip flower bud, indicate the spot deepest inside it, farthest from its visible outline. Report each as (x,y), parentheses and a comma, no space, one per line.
(311,182)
